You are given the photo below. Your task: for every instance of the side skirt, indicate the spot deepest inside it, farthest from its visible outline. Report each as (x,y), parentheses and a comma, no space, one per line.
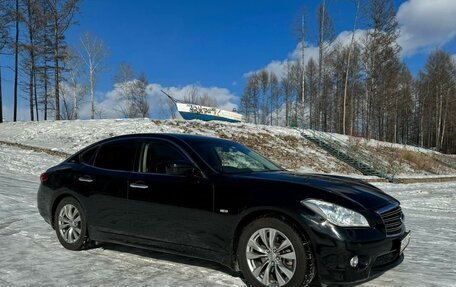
(160,246)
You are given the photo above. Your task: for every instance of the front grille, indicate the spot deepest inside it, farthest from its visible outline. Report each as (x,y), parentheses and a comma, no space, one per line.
(392,219)
(385,259)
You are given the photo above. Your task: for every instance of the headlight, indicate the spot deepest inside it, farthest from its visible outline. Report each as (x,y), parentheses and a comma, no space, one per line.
(336,214)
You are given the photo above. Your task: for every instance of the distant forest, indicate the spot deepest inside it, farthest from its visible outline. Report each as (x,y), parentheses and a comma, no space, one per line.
(359,88)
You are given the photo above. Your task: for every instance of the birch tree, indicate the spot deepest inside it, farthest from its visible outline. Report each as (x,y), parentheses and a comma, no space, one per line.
(94,53)
(301,27)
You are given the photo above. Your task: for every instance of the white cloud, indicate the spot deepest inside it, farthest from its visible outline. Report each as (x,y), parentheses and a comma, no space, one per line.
(311,52)
(426,24)
(112,100)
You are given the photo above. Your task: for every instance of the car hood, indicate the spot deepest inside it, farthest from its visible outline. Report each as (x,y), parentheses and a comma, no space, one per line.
(355,190)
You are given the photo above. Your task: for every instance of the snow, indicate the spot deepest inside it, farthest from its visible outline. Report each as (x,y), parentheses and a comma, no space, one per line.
(31,254)
(283,145)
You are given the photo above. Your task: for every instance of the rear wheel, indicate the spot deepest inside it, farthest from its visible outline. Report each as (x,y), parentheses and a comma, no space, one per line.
(272,253)
(70,224)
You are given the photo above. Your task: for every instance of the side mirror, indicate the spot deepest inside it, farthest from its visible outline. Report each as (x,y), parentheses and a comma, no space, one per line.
(181,168)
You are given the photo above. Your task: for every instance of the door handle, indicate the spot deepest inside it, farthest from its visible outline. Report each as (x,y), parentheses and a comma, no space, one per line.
(85,179)
(139,185)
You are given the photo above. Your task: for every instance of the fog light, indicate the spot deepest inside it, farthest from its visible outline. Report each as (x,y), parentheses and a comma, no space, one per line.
(354,261)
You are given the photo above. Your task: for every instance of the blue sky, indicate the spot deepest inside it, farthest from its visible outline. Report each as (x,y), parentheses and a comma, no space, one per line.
(214,43)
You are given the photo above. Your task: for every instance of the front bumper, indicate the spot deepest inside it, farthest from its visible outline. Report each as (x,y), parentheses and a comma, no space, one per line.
(334,247)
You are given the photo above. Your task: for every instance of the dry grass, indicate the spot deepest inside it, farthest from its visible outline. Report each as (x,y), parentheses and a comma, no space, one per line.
(406,161)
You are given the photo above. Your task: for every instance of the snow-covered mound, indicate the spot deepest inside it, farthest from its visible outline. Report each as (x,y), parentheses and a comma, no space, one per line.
(285,146)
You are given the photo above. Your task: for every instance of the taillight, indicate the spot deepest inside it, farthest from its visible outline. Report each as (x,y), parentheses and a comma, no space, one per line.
(43,177)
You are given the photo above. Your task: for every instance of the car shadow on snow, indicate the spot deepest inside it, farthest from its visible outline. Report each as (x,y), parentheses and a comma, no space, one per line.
(171,257)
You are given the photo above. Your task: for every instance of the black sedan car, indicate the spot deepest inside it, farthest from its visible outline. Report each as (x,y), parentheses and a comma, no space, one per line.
(218,200)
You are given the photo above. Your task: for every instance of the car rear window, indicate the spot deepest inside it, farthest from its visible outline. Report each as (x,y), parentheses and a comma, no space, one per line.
(117,155)
(88,156)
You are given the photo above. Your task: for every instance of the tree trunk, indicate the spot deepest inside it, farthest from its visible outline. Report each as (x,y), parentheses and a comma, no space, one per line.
(75,101)
(16,61)
(92,96)
(36,96)
(1,96)
(320,52)
(445,113)
(45,90)
(303,73)
(56,63)
(31,92)
(32,56)
(348,66)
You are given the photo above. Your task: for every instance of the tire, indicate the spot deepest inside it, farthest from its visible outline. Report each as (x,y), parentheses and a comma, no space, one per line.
(288,261)
(70,224)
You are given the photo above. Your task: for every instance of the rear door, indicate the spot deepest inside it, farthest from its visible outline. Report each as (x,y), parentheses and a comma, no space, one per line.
(105,182)
(166,207)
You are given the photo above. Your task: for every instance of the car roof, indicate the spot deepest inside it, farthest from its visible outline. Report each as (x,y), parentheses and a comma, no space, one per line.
(188,138)
(176,137)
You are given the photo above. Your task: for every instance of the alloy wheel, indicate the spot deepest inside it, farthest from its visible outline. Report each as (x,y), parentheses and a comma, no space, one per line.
(70,223)
(271,257)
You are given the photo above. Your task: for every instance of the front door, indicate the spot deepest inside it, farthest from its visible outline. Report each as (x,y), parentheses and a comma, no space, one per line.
(168,207)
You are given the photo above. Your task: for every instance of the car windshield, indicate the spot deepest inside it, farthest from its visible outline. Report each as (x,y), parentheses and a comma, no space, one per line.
(231,157)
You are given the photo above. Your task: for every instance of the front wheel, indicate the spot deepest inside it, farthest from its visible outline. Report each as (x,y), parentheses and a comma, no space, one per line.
(272,253)
(70,224)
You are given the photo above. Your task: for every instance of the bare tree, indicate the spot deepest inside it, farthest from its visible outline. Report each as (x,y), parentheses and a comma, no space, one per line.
(301,28)
(350,51)
(44,64)
(133,100)
(167,108)
(16,59)
(382,63)
(125,73)
(74,67)
(6,18)
(123,78)
(194,95)
(263,80)
(141,96)
(249,99)
(94,53)
(33,18)
(62,12)
(440,77)
(325,36)
(287,90)
(312,91)
(274,86)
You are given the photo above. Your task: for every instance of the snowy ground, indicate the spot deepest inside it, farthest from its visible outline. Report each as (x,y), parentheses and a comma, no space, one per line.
(32,256)
(283,145)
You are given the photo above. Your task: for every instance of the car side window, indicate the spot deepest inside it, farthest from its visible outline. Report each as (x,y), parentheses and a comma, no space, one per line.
(117,155)
(157,156)
(88,156)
